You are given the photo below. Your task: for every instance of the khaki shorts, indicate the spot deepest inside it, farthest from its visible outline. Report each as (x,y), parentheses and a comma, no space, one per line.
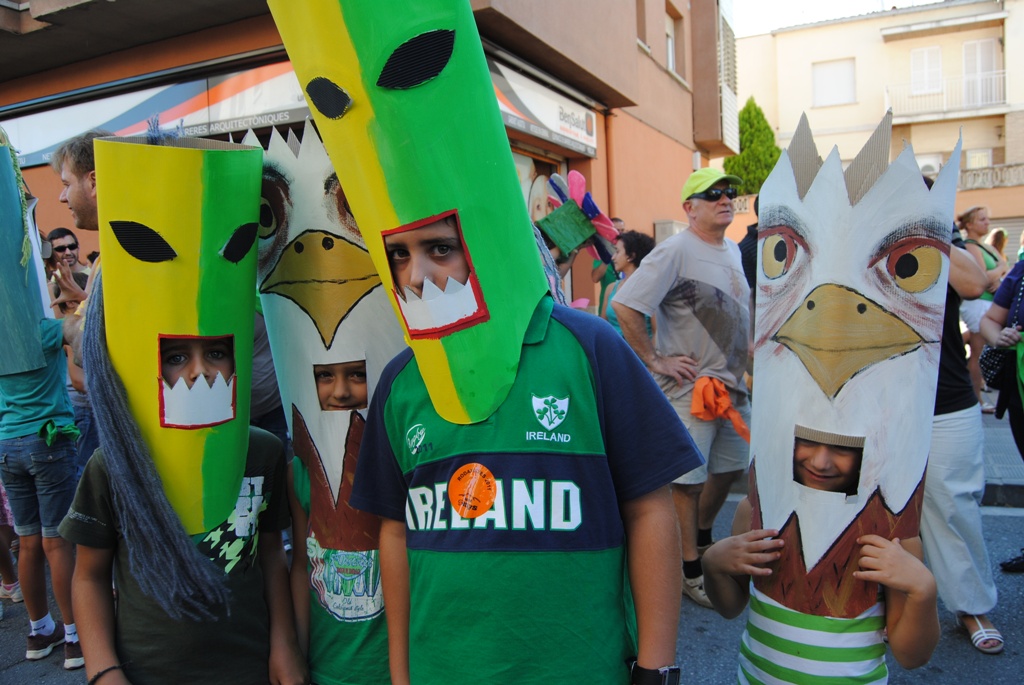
(722,447)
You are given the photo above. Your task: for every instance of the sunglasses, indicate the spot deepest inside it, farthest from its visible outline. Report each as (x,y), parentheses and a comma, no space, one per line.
(64,248)
(715,194)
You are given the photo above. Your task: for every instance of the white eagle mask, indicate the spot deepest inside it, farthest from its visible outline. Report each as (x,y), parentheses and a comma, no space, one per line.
(321,295)
(851,285)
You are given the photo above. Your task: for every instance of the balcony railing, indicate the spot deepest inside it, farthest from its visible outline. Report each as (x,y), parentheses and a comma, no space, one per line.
(948,95)
(992,177)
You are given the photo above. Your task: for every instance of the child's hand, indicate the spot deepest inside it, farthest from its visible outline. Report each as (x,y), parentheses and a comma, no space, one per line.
(887,563)
(743,555)
(288,668)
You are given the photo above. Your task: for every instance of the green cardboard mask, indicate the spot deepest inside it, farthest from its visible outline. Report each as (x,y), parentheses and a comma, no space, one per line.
(403,100)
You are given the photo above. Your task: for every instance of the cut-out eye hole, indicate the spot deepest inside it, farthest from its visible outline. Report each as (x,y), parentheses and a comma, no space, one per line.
(778,251)
(240,243)
(142,242)
(329,98)
(418,60)
(915,266)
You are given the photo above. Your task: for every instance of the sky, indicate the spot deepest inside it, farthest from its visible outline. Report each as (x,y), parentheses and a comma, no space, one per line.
(751,17)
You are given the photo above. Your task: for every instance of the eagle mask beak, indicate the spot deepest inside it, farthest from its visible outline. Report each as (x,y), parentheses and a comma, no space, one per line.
(833,351)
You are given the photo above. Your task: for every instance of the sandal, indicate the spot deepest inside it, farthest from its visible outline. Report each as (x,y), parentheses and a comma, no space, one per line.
(982,634)
(1015,565)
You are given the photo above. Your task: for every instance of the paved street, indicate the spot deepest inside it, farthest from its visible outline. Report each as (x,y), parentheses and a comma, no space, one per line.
(708,644)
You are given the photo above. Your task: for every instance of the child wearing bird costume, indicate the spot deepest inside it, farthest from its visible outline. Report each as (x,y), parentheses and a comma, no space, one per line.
(852,270)
(183,501)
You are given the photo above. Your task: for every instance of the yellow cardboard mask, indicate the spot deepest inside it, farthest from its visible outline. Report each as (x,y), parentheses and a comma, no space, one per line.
(178,222)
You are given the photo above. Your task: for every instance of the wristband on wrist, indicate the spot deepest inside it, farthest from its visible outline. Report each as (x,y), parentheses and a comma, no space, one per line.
(99,674)
(666,675)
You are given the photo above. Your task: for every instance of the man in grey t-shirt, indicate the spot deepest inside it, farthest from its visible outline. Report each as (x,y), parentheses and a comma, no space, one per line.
(693,284)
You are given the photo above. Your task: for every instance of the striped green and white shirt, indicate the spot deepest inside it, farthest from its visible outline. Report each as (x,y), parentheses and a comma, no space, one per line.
(785,646)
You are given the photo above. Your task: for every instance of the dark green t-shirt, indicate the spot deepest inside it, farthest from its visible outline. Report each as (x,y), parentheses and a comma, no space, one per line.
(348,633)
(530,586)
(234,648)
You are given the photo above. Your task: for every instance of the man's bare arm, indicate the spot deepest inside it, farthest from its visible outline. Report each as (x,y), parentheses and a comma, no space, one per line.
(634,329)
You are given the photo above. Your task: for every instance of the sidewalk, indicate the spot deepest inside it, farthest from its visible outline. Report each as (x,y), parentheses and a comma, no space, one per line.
(1004,468)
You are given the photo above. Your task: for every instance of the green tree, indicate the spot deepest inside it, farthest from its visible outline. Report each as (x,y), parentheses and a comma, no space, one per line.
(758,151)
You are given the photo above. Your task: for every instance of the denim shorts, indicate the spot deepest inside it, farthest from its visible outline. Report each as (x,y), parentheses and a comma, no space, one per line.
(40,481)
(89,440)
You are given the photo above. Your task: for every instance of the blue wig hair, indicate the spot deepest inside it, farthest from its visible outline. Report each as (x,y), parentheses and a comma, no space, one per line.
(163,560)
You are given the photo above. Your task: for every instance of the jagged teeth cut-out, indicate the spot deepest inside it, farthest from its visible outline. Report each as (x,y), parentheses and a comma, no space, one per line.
(431,291)
(438,307)
(198,406)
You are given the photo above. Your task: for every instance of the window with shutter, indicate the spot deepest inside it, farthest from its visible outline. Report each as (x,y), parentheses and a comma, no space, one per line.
(834,82)
(925,70)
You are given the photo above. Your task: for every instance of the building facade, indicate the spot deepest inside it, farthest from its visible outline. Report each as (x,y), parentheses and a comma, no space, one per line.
(634,94)
(943,68)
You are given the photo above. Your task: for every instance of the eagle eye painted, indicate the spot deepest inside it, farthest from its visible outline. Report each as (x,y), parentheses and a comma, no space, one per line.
(274,202)
(240,243)
(914,266)
(417,60)
(333,189)
(778,251)
(268,221)
(329,98)
(142,242)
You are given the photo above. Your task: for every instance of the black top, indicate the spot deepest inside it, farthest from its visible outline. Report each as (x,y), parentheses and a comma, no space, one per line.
(748,255)
(232,649)
(955,391)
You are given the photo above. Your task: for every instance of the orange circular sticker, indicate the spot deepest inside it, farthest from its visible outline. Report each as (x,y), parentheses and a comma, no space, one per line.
(472,490)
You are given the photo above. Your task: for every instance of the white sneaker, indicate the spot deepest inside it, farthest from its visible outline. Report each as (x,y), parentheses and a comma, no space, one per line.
(694,589)
(14,594)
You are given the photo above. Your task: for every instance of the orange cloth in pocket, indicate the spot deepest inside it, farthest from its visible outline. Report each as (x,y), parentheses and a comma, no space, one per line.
(711,401)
